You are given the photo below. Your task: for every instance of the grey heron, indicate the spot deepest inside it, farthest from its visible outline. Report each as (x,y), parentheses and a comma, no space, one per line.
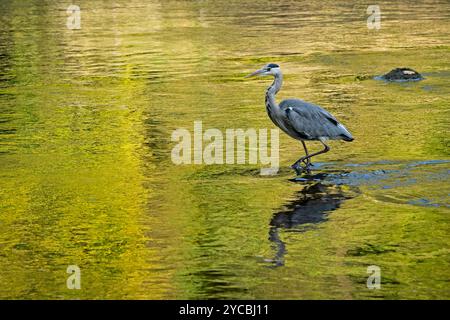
(301,120)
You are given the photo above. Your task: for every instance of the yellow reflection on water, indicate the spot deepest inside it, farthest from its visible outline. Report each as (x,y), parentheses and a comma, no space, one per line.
(86,178)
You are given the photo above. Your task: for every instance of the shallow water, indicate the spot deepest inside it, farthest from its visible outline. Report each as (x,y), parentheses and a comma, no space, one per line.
(86,118)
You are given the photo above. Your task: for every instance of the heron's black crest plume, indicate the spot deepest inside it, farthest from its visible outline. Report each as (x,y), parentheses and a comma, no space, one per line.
(273,65)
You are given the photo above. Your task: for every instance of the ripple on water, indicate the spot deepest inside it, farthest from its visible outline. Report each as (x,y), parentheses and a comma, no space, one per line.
(394,178)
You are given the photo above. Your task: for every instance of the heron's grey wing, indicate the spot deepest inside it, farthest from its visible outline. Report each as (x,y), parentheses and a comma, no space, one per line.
(311,122)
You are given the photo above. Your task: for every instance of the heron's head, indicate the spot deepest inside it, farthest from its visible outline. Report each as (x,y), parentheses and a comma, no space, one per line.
(270,69)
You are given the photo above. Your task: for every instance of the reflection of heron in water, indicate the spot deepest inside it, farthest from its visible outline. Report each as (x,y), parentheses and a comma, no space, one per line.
(311,206)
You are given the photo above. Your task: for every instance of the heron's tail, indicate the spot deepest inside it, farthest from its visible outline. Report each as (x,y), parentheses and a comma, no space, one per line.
(346,138)
(345,134)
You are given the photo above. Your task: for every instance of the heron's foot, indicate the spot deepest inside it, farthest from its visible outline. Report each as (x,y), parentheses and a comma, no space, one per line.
(308,163)
(299,169)
(307,168)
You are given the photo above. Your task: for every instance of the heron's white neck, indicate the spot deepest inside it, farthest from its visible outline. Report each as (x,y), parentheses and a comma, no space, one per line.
(273,90)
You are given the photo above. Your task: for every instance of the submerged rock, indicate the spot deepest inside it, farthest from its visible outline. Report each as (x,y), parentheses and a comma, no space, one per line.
(402,74)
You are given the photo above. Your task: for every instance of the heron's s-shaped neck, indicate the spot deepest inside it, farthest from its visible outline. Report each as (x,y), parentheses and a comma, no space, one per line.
(273,90)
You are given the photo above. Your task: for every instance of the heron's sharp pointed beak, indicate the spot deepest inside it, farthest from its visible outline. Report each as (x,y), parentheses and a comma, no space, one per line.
(255,73)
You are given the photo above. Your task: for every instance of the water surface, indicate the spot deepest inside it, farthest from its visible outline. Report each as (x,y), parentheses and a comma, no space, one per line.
(86,176)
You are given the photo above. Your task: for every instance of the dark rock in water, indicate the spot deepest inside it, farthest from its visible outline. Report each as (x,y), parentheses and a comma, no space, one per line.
(402,74)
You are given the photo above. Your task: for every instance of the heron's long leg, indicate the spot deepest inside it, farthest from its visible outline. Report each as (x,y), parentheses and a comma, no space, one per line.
(308,161)
(302,159)
(326,149)
(295,166)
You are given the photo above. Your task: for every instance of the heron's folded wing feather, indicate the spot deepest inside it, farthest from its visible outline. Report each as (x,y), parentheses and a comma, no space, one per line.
(309,119)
